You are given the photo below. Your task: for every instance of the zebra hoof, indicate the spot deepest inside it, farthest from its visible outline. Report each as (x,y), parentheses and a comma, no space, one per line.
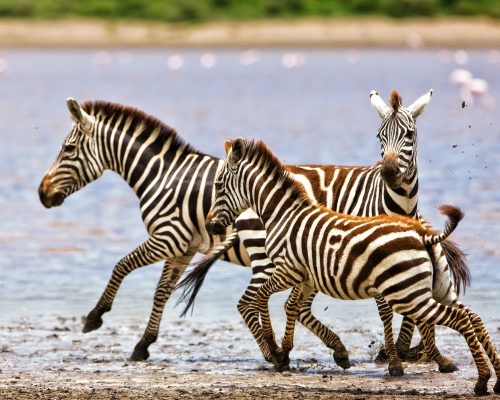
(381,357)
(140,353)
(396,370)
(481,387)
(447,369)
(92,324)
(414,354)
(496,388)
(342,361)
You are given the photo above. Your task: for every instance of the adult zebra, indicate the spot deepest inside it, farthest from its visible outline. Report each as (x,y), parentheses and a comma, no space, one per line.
(346,257)
(388,188)
(174,184)
(172,181)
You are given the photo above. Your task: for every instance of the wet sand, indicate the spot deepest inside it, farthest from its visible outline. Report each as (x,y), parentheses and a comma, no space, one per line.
(358,32)
(48,358)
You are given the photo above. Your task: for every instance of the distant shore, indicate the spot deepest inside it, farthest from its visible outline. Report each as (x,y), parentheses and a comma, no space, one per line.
(362,32)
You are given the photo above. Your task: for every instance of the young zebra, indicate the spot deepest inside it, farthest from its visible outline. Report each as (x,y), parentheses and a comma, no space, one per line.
(388,188)
(346,257)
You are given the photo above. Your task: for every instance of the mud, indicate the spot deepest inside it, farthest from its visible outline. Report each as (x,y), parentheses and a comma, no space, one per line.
(48,358)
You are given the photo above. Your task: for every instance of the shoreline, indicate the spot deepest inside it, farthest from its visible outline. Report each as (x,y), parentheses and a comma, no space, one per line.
(327,33)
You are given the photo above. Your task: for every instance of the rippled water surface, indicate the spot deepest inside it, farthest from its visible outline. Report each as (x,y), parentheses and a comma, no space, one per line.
(57,261)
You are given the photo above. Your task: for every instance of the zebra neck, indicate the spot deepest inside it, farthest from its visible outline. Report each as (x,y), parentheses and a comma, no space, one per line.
(273,200)
(143,156)
(403,200)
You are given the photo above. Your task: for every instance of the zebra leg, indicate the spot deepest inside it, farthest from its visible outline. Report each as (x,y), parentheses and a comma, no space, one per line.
(147,253)
(292,309)
(172,271)
(434,313)
(484,337)
(329,338)
(279,281)
(385,312)
(445,364)
(247,308)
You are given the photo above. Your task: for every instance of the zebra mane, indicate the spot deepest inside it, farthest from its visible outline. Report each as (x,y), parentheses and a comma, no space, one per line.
(109,110)
(396,100)
(260,153)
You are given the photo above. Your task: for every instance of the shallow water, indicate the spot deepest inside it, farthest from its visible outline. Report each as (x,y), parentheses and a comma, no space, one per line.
(57,261)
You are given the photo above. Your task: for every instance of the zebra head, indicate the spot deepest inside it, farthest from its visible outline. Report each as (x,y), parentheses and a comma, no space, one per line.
(228,203)
(398,137)
(77,163)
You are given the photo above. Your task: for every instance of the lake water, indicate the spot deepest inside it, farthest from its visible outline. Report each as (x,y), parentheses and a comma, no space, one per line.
(56,262)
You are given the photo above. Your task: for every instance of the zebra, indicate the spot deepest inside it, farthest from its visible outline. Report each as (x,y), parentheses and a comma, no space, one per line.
(346,257)
(390,187)
(172,181)
(174,184)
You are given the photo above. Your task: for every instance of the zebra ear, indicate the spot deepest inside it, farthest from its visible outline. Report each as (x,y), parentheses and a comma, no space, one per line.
(79,115)
(378,104)
(236,152)
(419,105)
(227,146)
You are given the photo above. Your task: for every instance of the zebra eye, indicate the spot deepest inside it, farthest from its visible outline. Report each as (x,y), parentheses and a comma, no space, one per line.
(69,148)
(409,134)
(218,185)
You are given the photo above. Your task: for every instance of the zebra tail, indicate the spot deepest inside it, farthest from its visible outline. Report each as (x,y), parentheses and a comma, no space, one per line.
(193,281)
(454,215)
(457,261)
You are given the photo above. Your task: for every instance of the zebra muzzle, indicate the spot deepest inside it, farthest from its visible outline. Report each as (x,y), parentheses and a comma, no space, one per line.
(48,197)
(215,227)
(391,174)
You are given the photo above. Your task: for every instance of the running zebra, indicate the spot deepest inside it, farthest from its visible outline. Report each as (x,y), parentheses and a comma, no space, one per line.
(346,257)
(172,181)
(388,188)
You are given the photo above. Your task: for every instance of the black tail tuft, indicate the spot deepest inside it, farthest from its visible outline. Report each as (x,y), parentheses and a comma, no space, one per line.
(457,260)
(193,282)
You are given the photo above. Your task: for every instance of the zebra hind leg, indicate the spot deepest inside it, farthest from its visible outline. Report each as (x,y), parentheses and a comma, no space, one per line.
(484,338)
(445,364)
(329,338)
(172,271)
(434,313)
(386,314)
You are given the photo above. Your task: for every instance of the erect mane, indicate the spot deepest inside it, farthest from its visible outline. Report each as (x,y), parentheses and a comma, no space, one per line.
(108,109)
(396,100)
(259,152)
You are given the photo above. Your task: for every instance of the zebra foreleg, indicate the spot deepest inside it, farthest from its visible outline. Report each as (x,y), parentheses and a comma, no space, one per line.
(282,279)
(292,309)
(172,271)
(147,253)
(329,338)
(385,313)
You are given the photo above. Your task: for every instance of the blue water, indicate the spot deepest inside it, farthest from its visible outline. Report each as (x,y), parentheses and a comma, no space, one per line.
(57,261)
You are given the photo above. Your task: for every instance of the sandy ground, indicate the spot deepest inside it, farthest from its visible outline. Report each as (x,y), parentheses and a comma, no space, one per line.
(414,33)
(48,358)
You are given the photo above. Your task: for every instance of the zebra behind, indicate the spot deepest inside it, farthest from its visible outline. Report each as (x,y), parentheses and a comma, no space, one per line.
(390,187)
(342,256)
